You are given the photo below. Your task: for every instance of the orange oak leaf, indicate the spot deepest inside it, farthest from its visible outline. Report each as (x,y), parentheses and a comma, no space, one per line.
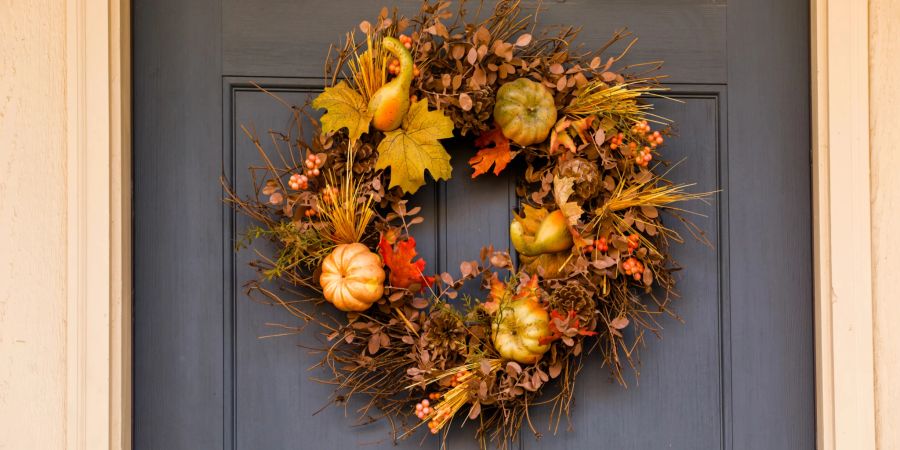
(499,293)
(496,295)
(405,273)
(564,325)
(499,155)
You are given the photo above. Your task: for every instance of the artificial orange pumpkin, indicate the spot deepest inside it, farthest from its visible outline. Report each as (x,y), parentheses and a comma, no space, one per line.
(519,327)
(537,232)
(525,111)
(352,277)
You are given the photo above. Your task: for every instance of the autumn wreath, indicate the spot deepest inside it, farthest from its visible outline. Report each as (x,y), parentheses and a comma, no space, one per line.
(591,249)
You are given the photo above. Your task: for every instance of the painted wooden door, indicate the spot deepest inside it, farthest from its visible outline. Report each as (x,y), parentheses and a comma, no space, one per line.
(737,374)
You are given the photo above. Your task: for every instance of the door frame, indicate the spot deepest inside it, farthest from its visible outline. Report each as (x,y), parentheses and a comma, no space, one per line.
(98,98)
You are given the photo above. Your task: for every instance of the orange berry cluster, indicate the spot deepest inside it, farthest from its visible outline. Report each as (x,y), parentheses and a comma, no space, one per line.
(394,65)
(644,157)
(313,164)
(394,68)
(634,242)
(406,41)
(633,268)
(329,194)
(423,409)
(653,138)
(602,244)
(298,182)
(438,416)
(641,127)
(616,141)
(310,212)
(459,378)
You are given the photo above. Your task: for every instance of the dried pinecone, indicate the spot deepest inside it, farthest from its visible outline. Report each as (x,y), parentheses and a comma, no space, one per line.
(586,174)
(574,297)
(444,335)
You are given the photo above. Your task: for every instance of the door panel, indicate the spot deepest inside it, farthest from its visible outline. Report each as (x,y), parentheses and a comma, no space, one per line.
(678,400)
(288,37)
(737,374)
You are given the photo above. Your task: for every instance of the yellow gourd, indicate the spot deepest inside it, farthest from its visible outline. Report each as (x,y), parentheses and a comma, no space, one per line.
(352,277)
(519,328)
(537,232)
(525,111)
(390,103)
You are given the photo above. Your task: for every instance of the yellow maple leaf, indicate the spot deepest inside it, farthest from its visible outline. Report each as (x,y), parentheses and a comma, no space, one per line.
(415,147)
(563,188)
(346,109)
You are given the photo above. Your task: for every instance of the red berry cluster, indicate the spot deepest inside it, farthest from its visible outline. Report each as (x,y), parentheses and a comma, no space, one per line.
(633,268)
(298,182)
(313,164)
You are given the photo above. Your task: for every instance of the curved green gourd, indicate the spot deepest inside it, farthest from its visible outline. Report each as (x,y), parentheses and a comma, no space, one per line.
(390,102)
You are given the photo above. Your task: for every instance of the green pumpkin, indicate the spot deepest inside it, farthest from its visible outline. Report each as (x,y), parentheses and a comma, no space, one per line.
(525,111)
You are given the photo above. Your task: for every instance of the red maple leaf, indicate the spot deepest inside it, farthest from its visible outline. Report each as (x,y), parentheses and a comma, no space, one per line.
(499,155)
(405,273)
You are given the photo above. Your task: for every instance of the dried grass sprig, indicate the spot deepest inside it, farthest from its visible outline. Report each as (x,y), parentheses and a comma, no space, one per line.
(346,211)
(654,192)
(368,69)
(617,102)
(468,376)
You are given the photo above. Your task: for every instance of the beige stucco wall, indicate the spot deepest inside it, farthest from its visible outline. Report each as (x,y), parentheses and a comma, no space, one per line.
(32,224)
(884,119)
